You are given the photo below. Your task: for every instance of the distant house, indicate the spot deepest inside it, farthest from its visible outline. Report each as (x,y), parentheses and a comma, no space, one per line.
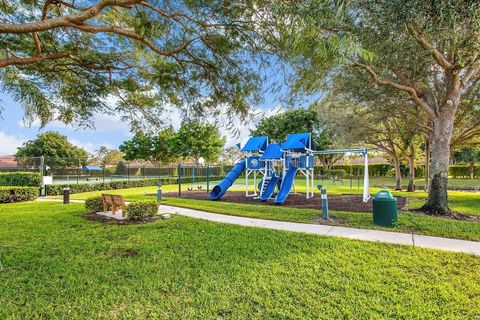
(8,163)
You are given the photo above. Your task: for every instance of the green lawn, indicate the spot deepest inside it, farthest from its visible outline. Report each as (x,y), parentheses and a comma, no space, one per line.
(465,202)
(56,264)
(407,221)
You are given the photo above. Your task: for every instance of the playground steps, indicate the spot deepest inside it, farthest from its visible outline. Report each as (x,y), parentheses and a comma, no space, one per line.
(265,182)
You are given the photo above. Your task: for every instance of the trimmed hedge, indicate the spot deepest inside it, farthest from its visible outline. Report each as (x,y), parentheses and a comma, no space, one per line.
(463,171)
(18,194)
(94,204)
(22,179)
(139,210)
(57,189)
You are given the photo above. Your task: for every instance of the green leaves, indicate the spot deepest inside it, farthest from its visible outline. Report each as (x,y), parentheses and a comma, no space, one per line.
(55,148)
(188,53)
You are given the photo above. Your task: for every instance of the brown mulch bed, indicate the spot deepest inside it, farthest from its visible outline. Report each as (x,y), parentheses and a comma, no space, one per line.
(343,202)
(108,220)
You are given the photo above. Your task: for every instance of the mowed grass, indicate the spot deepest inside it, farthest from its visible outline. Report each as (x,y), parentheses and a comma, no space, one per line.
(460,201)
(407,221)
(465,202)
(56,264)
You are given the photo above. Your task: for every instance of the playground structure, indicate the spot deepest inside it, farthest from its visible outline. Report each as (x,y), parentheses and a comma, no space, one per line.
(274,166)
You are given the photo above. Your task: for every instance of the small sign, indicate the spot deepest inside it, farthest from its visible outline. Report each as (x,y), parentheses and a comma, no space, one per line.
(47,180)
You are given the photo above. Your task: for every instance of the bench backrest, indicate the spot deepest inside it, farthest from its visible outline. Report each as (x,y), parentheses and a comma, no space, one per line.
(118,200)
(107,198)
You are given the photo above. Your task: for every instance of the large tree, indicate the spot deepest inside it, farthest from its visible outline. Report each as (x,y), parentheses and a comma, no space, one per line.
(67,60)
(55,148)
(426,50)
(106,156)
(278,126)
(195,139)
(159,148)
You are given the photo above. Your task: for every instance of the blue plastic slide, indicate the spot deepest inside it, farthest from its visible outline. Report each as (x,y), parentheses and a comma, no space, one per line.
(270,188)
(286,185)
(219,190)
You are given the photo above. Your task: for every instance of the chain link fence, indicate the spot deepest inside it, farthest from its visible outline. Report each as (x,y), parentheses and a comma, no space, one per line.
(73,171)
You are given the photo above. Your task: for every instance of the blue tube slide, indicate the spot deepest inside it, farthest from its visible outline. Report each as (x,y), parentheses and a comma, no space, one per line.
(287,184)
(219,190)
(270,188)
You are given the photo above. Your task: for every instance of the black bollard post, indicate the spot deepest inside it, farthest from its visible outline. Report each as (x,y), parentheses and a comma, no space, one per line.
(66,195)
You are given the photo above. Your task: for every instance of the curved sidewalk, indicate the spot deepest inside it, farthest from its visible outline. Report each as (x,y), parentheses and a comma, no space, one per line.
(465,246)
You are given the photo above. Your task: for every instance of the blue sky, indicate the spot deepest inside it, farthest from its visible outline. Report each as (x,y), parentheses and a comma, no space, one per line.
(109,131)
(13,132)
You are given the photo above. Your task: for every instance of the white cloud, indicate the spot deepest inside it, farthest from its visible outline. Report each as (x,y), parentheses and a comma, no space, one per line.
(89,146)
(9,143)
(103,123)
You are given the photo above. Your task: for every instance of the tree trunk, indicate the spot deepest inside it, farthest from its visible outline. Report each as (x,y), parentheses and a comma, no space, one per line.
(437,202)
(411,164)
(427,163)
(398,172)
(471,168)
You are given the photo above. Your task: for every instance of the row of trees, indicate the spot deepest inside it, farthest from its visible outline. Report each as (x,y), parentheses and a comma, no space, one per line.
(192,141)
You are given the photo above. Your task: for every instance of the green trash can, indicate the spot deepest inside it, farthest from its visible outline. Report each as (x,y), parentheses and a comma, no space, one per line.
(384,209)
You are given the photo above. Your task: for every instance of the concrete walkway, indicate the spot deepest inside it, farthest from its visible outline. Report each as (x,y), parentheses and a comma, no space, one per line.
(421,241)
(343,232)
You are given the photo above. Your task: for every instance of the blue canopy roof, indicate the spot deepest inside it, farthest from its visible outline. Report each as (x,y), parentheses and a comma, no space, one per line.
(92,168)
(297,142)
(273,151)
(256,144)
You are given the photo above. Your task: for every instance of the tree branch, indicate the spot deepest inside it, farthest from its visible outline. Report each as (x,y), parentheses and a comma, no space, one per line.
(36,42)
(64,21)
(471,71)
(411,91)
(26,61)
(423,42)
(131,35)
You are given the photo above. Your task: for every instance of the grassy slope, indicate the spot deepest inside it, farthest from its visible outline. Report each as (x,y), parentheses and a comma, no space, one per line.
(57,265)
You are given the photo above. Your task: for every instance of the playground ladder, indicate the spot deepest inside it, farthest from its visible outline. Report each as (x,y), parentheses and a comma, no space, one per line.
(265,182)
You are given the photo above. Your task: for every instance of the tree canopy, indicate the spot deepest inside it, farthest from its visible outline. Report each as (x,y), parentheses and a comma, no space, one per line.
(159,148)
(106,156)
(196,139)
(277,127)
(424,52)
(56,149)
(67,60)
(193,140)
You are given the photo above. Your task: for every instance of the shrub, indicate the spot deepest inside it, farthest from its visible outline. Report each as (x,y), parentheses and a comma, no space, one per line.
(459,171)
(139,210)
(94,204)
(23,179)
(18,194)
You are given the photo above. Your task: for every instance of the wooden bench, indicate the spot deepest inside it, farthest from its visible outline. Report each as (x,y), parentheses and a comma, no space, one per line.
(114,201)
